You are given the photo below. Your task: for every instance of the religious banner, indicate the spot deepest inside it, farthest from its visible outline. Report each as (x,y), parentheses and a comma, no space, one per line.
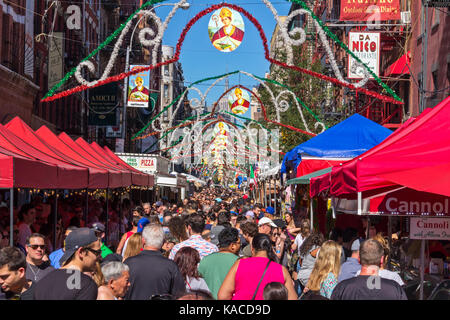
(239,101)
(366,46)
(370,10)
(138,88)
(226,29)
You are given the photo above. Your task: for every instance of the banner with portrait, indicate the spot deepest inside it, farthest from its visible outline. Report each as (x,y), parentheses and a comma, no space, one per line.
(226,29)
(138,88)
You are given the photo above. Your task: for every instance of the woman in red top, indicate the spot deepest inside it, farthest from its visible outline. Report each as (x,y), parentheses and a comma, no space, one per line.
(242,280)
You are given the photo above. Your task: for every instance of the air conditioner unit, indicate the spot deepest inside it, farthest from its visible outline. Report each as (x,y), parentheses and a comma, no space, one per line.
(406,17)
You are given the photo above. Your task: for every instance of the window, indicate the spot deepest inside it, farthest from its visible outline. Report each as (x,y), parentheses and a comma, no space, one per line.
(166,91)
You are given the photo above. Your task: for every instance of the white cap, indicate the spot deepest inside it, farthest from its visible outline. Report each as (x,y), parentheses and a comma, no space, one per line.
(265,220)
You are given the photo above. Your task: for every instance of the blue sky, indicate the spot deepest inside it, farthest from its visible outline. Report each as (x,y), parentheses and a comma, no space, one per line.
(200,59)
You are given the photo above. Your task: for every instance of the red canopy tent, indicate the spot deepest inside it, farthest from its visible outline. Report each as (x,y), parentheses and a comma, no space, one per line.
(68,176)
(25,172)
(137,178)
(310,165)
(417,156)
(115,176)
(126,174)
(98,176)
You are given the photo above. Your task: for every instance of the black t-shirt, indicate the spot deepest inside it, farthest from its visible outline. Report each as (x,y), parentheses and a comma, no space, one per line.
(26,295)
(36,273)
(66,284)
(368,288)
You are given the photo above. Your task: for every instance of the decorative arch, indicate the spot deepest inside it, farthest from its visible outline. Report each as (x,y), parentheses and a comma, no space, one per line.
(50,96)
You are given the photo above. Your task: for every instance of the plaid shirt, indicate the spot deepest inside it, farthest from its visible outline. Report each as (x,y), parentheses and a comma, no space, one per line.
(196,241)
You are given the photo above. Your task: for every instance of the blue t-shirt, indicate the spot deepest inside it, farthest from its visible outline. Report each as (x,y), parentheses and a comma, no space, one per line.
(54,258)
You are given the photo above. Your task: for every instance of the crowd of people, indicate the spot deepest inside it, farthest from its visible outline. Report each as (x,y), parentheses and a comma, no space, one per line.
(216,244)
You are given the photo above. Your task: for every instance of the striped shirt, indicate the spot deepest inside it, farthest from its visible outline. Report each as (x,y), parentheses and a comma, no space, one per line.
(197,242)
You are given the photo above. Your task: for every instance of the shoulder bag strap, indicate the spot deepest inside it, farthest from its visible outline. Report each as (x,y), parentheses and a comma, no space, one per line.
(260,280)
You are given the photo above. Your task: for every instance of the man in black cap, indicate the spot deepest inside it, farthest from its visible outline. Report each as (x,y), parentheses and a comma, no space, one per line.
(99,229)
(82,251)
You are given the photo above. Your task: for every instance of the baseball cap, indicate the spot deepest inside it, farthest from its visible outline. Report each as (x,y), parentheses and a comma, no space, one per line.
(159,203)
(355,245)
(78,238)
(142,223)
(218,200)
(245,197)
(266,220)
(250,213)
(270,210)
(97,226)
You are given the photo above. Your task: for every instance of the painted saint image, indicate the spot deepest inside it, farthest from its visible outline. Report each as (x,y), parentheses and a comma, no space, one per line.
(239,101)
(226,29)
(138,88)
(139,92)
(220,128)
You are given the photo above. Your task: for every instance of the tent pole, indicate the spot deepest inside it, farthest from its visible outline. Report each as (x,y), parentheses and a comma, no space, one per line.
(11,217)
(270,191)
(359,203)
(87,208)
(389,240)
(55,218)
(311,213)
(422,267)
(275,197)
(107,217)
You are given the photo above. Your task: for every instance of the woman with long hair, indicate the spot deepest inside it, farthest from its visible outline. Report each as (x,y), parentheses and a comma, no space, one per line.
(308,254)
(177,228)
(326,270)
(384,272)
(248,277)
(292,229)
(134,246)
(187,260)
(305,231)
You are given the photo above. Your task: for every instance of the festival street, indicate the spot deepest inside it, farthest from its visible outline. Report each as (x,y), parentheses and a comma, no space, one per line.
(223,152)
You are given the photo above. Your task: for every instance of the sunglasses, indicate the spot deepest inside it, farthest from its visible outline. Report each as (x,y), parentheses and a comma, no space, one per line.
(36,246)
(96,252)
(275,234)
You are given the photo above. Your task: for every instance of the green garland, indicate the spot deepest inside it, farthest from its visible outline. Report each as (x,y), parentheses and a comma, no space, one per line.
(100,47)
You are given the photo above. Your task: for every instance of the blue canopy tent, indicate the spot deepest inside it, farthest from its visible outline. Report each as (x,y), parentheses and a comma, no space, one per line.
(345,140)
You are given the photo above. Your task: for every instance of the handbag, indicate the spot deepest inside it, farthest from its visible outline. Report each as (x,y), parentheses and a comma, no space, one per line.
(260,280)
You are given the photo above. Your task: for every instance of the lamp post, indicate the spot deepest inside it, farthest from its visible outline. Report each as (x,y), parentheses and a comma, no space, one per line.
(184,6)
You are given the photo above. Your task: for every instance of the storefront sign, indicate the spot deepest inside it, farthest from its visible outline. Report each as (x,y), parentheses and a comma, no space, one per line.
(429,228)
(370,10)
(411,202)
(145,164)
(366,46)
(103,105)
(29,39)
(55,59)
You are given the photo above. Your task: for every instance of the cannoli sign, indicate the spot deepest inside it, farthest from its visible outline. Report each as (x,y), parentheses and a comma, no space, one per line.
(429,228)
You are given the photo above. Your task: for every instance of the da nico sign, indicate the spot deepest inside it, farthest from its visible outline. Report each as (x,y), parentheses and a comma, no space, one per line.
(430,228)
(366,46)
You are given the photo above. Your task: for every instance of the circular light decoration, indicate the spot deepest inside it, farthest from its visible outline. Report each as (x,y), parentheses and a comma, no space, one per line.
(239,101)
(226,29)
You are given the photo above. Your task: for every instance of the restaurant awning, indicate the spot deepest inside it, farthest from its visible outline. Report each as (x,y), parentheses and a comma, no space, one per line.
(401,66)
